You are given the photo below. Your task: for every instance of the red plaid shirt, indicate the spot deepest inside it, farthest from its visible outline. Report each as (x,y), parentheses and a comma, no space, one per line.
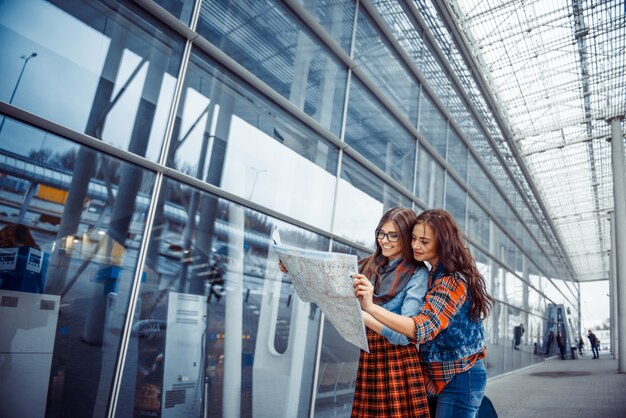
(442,303)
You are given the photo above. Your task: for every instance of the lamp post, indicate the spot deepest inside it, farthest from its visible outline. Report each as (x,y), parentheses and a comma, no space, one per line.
(17,83)
(256,177)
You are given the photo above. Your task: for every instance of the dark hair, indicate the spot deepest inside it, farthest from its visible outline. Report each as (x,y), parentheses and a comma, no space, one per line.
(456,258)
(403,219)
(16,235)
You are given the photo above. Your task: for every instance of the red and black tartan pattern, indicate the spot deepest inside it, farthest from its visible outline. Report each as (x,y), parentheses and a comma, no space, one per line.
(389,381)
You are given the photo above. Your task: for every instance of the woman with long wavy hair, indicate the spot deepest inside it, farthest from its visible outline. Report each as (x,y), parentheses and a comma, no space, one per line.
(449,325)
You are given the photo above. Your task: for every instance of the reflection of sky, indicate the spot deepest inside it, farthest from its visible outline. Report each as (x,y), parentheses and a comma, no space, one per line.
(357,214)
(69,57)
(282,179)
(60,83)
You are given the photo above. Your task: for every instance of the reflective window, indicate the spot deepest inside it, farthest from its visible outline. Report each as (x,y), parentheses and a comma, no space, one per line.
(182,9)
(432,124)
(362,199)
(477,223)
(266,39)
(101,68)
(376,58)
(406,31)
(430,180)
(478,180)
(378,136)
(455,201)
(215,313)
(233,138)
(457,154)
(74,229)
(336,17)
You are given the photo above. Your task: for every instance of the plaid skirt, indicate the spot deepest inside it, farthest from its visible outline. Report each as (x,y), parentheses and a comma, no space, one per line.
(389,381)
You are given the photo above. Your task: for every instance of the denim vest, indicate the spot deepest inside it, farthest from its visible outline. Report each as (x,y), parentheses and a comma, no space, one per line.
(462,338)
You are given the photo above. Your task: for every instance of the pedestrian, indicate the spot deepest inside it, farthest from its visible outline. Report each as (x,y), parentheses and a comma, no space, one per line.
(449,326)
(389,381)
(518,331)
(593,341)
(581,344)
(561,344)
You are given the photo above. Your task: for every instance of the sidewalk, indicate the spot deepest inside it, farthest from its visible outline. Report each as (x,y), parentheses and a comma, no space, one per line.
(562,388)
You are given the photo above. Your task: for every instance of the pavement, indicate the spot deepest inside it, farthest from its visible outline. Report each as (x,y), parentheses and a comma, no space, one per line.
(557,388)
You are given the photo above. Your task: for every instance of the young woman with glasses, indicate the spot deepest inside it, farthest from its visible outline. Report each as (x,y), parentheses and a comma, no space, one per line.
(389,380)
(449,325)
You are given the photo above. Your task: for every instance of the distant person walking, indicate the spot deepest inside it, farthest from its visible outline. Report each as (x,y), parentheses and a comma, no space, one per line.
(518,331)
(581,345)
(561,344)
(593,341)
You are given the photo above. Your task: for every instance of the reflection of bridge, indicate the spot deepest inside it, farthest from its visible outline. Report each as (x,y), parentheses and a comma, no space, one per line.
(98,191)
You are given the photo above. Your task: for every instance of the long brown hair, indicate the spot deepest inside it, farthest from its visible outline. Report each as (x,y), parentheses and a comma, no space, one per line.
(456,258)
(403,219)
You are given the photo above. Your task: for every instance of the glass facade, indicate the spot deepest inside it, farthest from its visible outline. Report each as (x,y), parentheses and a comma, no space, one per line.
(147,151)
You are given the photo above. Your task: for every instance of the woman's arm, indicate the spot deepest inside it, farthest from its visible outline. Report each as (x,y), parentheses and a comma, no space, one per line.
(442,303)
(364,290)
(413,299)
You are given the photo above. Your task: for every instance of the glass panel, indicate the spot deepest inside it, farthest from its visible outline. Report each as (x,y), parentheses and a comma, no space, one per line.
(233,138)
(478,223)
(378,136)
(101,68)
(74,228)
(362,199)
(432,124)
(430,180)
(457,154)
(406,31)
(336,16)
(266,39)
(376,58)
(182,9)
(215,309)
(455,201)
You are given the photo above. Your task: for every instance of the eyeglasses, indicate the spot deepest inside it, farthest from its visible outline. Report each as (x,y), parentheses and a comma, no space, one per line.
(391,236)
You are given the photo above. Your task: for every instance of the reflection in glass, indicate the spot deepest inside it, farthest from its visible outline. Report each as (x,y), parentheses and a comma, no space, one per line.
(457,154)
(215,309)
(336,17)
(430,180)
(432,124)
(233,138)
(88,225)
(375,57)
(361,200)
(456,201)
(378,136)
(94,72)
(266,39)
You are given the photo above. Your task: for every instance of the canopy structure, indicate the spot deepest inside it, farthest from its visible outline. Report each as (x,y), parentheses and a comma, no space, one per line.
(554,72)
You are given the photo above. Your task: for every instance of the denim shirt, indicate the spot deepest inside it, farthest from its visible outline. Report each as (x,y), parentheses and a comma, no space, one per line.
(406,302)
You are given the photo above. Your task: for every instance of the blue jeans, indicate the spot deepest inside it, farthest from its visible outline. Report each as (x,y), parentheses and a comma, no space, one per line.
(595,351)
(461,397)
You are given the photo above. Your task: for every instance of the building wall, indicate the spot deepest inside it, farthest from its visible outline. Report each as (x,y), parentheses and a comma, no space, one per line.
(151,148)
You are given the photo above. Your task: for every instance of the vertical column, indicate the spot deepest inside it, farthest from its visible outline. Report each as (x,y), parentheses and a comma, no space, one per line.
(525,303)
(613,288)
(619,215)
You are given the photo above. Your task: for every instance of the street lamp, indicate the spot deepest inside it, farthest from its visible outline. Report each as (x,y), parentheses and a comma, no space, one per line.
(17,83)
(256,177)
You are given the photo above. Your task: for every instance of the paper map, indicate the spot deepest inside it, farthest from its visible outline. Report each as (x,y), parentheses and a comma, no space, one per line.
(325,278)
